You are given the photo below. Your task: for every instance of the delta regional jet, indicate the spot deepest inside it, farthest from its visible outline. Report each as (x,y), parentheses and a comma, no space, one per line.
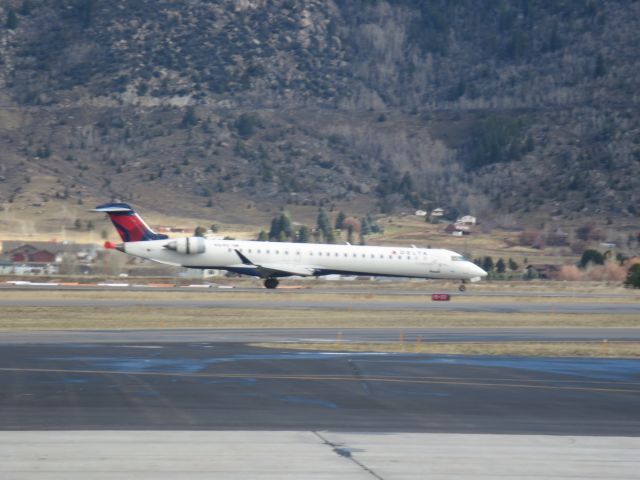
(273,260)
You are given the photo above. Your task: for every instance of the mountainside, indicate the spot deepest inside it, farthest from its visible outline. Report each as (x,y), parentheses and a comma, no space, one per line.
(231,109)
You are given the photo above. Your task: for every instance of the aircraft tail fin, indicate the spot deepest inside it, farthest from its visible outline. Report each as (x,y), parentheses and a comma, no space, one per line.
(130,226)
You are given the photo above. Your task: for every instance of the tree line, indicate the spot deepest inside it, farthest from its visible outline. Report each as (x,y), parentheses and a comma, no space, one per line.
(283,229)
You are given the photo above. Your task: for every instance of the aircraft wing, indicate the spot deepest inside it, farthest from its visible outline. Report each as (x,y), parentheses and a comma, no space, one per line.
(271,269)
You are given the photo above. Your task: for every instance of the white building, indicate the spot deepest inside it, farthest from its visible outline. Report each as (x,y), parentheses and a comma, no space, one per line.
(467,220)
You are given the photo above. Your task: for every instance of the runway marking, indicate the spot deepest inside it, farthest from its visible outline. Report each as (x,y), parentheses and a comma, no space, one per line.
(414,380)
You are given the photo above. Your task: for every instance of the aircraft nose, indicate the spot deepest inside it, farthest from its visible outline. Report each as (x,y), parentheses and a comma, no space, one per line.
(477,271)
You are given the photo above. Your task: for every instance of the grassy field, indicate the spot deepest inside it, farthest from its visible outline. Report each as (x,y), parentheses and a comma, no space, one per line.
(141,317)
(528,349)
(371,296)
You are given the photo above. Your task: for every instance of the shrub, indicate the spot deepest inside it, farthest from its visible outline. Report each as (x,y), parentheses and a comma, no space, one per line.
(633,276)
(591,256)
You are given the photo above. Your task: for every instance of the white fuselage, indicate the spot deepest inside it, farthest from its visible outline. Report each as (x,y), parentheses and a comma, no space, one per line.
(314,259)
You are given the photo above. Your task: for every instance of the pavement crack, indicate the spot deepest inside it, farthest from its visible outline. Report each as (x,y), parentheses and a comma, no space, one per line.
(363,382)
(346,453)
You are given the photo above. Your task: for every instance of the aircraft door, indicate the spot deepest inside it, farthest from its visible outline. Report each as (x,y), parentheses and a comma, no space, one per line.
(432,264)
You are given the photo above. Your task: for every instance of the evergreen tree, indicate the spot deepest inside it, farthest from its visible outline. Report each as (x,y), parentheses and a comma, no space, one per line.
(500,266)
(189,119)
(199,231)
(365,228)
(304,235)
(591,256)
(12,20)
(406,184)
(281,228)
(262,236)
(340,220)
(324,226)
(633,276)
(487,264)
(286,224)
(274,231)
(513,266)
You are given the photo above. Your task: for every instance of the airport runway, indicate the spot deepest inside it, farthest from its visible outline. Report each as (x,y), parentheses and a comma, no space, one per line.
(384,335)
(229,386)
(557,306)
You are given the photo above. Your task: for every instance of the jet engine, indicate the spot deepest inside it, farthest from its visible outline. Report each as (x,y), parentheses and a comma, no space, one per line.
(188,246)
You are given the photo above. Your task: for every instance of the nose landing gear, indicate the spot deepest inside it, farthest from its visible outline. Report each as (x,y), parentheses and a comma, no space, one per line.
(462,286)
(271,283)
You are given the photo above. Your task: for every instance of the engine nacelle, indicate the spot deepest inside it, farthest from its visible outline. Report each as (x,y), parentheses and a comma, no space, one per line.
(188,246)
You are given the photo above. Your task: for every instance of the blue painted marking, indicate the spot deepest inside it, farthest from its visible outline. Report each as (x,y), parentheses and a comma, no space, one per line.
(595,368)
(75,380)
(316,402)
(245,381)
(417,393)
(185,365)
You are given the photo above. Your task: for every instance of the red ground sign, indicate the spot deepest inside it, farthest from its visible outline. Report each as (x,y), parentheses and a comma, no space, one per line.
(440,297)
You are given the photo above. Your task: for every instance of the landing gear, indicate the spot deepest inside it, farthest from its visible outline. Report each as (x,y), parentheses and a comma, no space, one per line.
(271,283)
(462,286)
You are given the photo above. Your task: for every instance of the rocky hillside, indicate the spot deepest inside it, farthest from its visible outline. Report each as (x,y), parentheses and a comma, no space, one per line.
(231,109)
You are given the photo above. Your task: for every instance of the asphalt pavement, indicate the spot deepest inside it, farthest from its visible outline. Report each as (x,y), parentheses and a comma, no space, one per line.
(230,386)
(383,335)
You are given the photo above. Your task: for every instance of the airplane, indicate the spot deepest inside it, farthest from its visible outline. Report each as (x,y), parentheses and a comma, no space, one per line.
(273,260)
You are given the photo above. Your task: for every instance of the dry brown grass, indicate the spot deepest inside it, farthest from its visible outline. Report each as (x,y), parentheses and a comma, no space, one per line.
(528,349)
(140,317)
(301,295)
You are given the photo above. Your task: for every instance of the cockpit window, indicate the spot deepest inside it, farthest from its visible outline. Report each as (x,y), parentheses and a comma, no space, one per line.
(459,258)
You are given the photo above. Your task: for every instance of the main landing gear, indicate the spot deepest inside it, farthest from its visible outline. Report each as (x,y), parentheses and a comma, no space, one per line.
(271,283)
(462,286)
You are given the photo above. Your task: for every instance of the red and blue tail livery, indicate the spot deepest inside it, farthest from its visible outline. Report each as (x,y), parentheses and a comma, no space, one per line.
(128,223)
